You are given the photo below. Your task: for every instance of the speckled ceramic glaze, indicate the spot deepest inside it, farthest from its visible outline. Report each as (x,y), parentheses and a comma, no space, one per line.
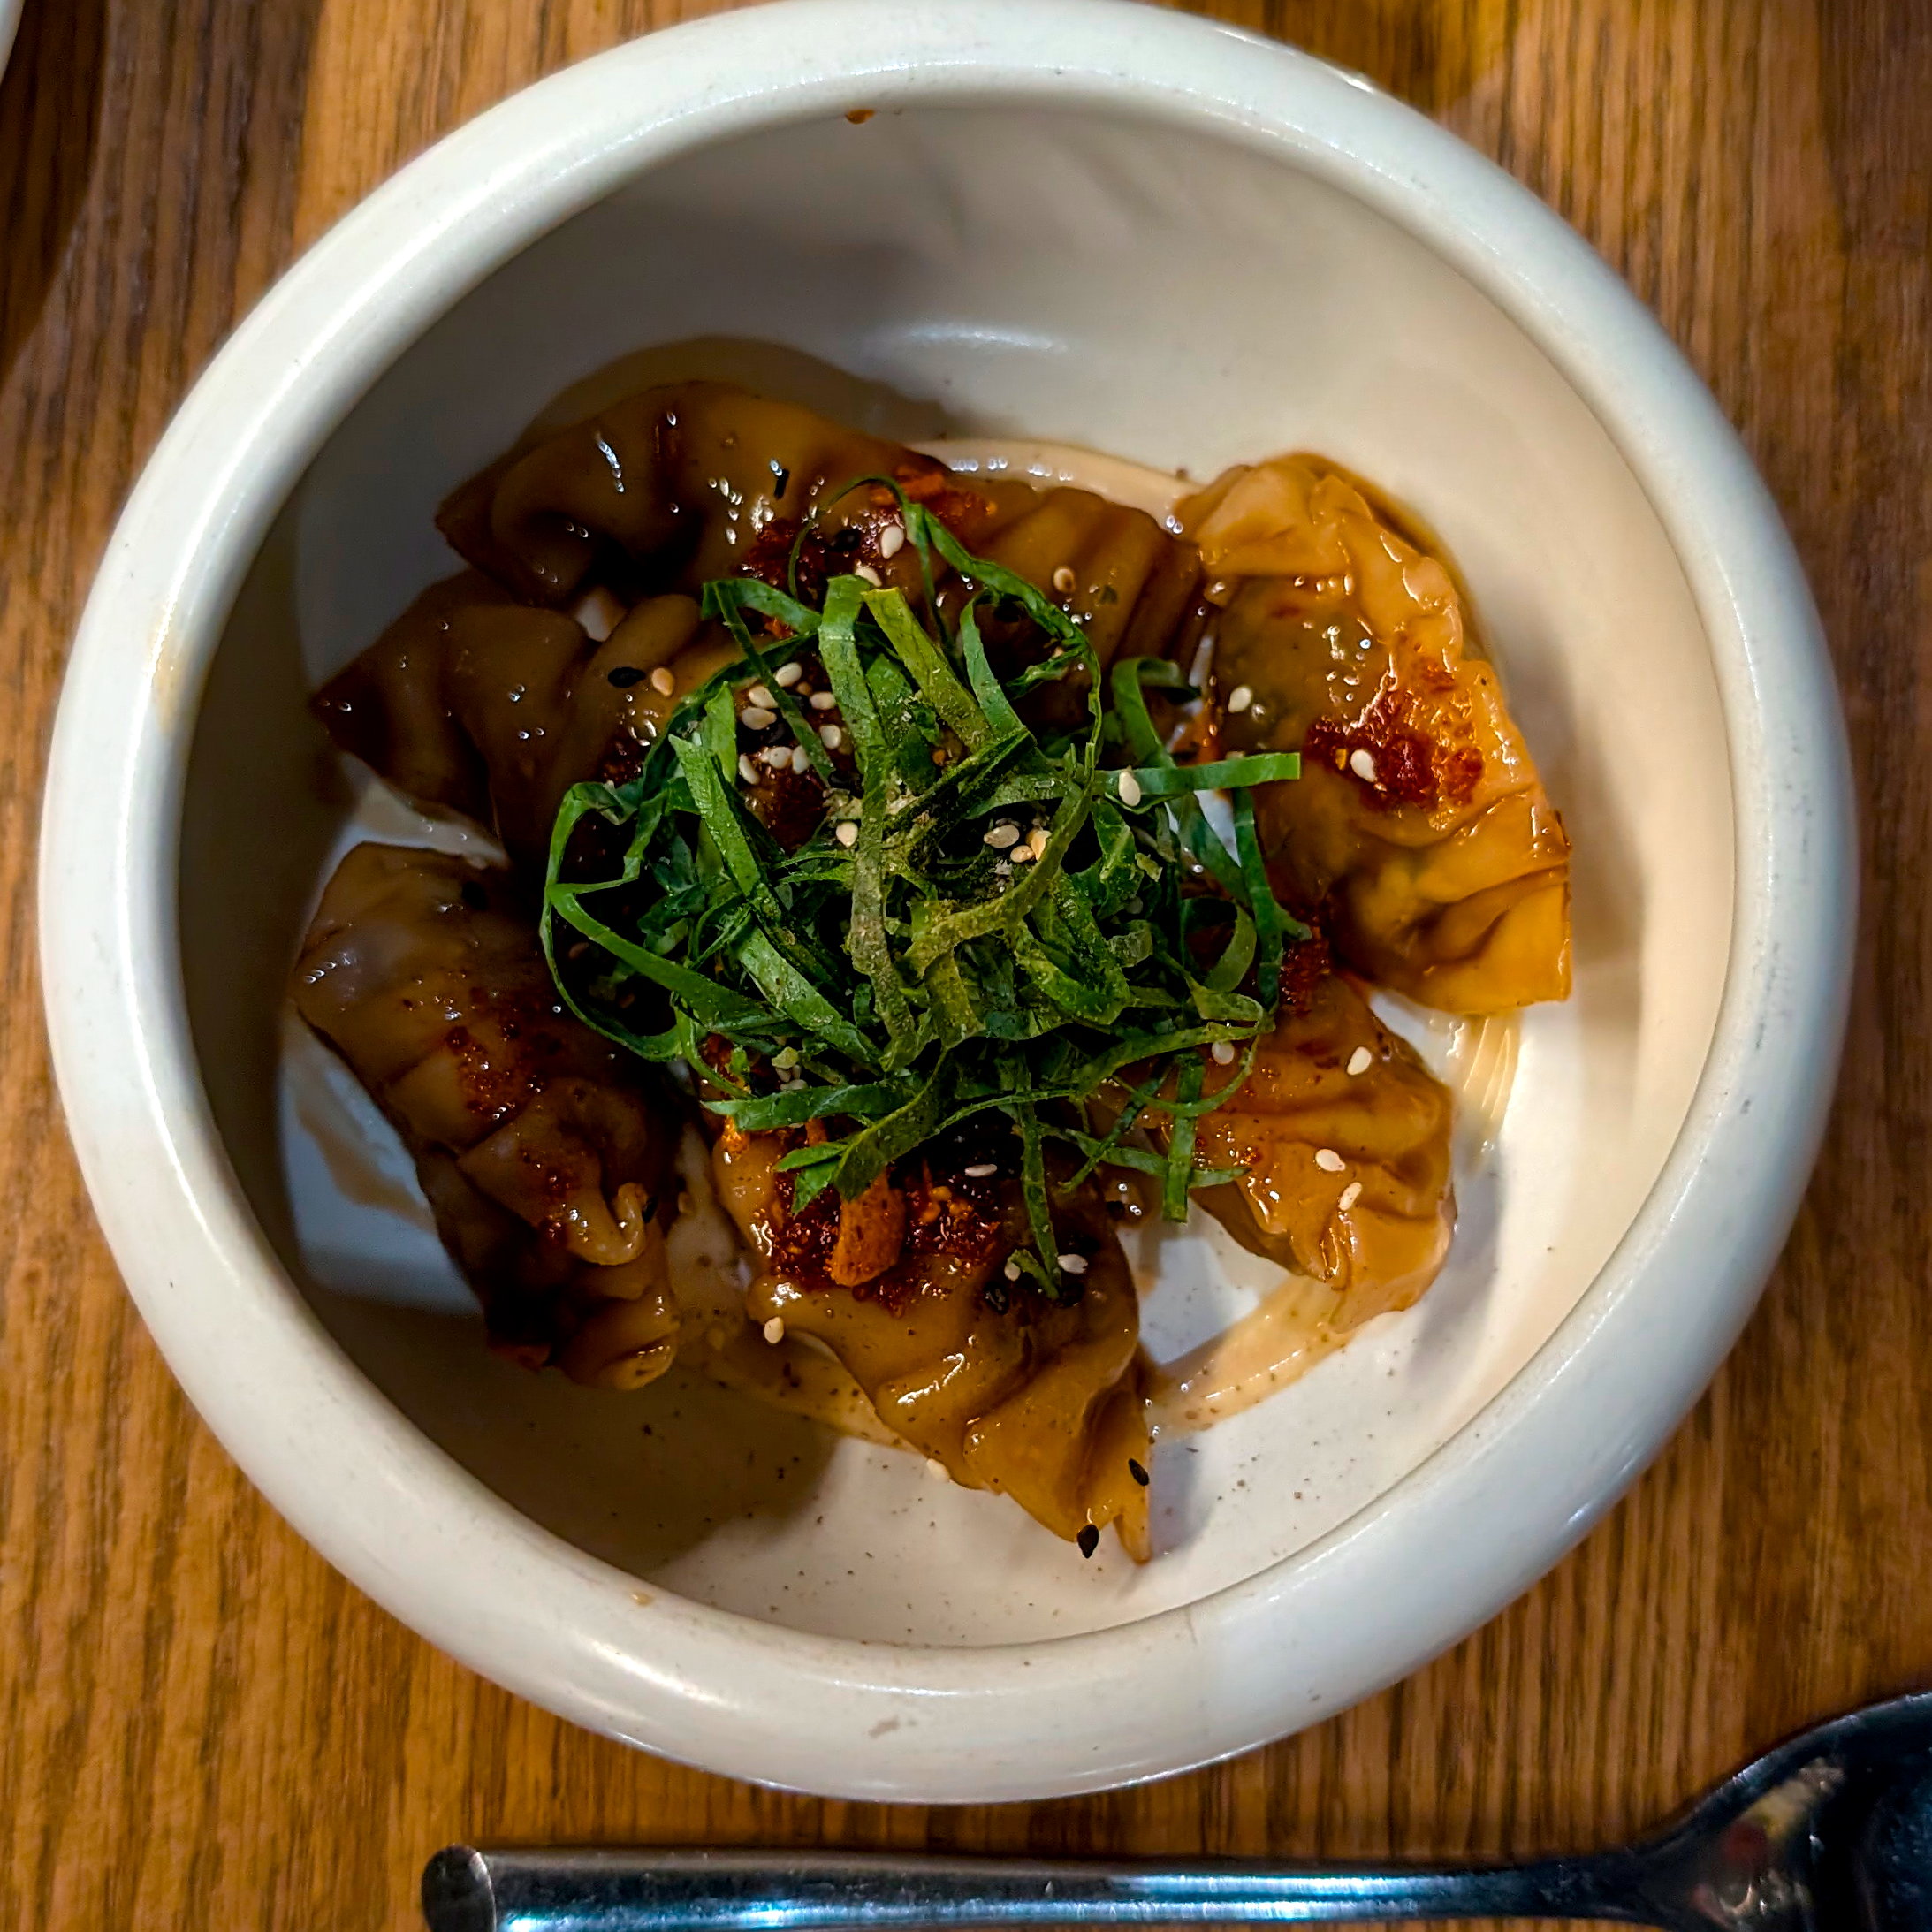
(1127,230)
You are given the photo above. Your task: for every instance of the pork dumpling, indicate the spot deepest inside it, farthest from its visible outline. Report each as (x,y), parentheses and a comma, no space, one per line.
(546,1156)
(1042,1400)
(1125,581)
(683,481)
(693,480)
(1420,825)
(1345,1137)
(1131,586)
(495,709)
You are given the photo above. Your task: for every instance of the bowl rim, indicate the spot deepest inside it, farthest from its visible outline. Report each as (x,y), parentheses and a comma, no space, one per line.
(1484,1515)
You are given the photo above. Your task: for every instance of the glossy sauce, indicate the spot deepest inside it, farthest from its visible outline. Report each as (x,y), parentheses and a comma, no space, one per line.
(710,1271)
(1290,1330)
(1281,1339)
(1261,1352)
(1271,1346)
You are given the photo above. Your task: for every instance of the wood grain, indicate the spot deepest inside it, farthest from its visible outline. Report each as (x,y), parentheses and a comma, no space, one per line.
(201,1725)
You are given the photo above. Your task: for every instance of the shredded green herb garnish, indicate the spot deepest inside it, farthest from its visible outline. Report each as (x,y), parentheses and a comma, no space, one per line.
(901,973)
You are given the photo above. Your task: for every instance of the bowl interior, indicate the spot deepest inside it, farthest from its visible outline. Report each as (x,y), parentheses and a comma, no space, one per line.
(1137,288)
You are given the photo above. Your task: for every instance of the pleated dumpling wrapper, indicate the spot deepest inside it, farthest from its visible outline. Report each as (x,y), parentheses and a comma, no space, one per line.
(1419,829)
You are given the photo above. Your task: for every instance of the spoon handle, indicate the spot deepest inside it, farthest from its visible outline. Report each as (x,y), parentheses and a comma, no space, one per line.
(644,1890)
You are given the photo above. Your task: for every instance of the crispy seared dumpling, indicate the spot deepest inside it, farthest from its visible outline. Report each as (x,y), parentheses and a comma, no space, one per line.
(1041,1400)
(545,1154)
(1419,824)
(1345,1136)
(481,705)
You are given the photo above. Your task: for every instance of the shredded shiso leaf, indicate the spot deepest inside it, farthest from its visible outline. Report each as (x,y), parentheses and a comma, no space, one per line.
(919,979)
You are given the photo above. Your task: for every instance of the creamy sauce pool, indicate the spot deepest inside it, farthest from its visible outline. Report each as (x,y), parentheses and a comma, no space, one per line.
(1132,484)
(1291,1328)
(334,1123)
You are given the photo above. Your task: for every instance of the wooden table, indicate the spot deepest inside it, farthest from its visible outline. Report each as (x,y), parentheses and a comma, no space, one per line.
(201,1725)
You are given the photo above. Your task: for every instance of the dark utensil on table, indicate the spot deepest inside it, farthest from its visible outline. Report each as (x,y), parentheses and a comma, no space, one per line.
(1831,1832)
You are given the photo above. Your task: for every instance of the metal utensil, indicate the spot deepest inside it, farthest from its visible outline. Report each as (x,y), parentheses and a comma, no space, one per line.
(1831,1832)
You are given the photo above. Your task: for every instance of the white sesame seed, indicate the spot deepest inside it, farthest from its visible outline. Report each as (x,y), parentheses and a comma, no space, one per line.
(1359,1061)
(778,757)
(1241,698)
(796,1084)
(937,1470)
(830,736)
(1064,579)
(757,717)
(822,701)
(1072,1264)
(1023,855)
(1011,1270)
(800,758)
(662,682)
(774,1330)
(1129,788)
(1003,834)
(600,613)
(892,540)
(760,694)
(1350,1195)
(1328,1160)
(1363,766)
(1038,838)
(788,675)
(980,1170)
(870,576)
(847,834)
(1223,1050)
(747,771)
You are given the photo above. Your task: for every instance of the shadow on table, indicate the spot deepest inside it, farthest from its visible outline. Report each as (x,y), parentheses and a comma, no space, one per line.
(49,120)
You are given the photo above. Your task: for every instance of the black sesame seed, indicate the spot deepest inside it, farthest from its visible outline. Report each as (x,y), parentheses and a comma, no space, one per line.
(1138,1472)
(1089,1538)
(624,675)
(781,476)
(474,896)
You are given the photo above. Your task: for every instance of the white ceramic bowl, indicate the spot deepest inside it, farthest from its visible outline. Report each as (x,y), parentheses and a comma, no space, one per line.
(1119,228)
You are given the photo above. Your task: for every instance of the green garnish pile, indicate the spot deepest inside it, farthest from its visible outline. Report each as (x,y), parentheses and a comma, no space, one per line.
(916,978)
